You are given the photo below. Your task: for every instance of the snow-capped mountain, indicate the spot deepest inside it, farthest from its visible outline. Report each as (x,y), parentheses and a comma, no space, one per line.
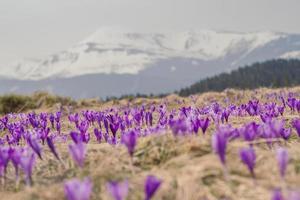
(291,55)
(144,62)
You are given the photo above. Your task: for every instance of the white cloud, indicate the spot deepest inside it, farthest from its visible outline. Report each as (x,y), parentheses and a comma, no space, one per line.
(31,28)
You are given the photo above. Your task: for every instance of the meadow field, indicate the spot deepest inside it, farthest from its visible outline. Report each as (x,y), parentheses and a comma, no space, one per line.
(231,145)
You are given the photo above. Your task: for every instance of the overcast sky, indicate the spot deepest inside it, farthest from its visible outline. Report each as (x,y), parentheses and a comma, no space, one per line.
(35,28)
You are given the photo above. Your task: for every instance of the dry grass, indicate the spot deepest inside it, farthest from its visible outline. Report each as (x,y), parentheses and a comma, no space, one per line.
(187,166)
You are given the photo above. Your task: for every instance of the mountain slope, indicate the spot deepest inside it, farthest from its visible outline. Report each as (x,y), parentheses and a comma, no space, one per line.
(275,73)
(121,62)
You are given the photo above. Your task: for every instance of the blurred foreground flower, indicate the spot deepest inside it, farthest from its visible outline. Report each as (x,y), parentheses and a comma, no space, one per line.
(248,157)
(118,190)
(277,195)
(27,162)
(77,190)
(151,186)
(219,144)
(282,159)
(78,152)
(129,140)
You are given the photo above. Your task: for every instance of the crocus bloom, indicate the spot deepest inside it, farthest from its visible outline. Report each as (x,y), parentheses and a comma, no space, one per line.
(34,144)
(282,159)
(204,123)
(52,147)
(75,137)
(15,157)
(250,131)
(51,118)
(4,157)
(78,152)
(248,157)
(130,140)
(286,133)
(294,196)
(77,190)
(98,135)
(179,126)
(296,125)
(291,102)
(219,144)
(114,128)
(277,195)
(118,190)
(58,127)
(151,185)
(225,115)
(27,162)
(277,127)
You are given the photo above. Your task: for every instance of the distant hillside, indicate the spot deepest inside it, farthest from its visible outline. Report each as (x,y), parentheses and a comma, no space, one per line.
(274,73)
(119,62)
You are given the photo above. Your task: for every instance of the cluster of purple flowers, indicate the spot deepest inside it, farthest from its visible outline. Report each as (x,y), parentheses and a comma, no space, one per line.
(24,137)
(81,190)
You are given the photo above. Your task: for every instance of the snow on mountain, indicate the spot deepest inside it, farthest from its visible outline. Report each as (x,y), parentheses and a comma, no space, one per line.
(291,55)
(110,51)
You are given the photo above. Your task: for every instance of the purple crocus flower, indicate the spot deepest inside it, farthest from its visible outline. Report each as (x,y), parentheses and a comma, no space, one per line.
(282,159)
(204,123)
(277,127)
(58,116)
(4,157)
(248,157)
(52,147)
(27,162)
(151,185)
(294,195)
(296,125)
(58,127)
(114,128)
(98,135)
(225,115)
(118,190)
(129,140)
(195,125)
(249,132)
(84,126)
(34,144)
(277,195)
(78,190)
(291,102)
(179,126)
(280,110)
(219,144)
(51,118)
(252,107)
(75,137)
(78,152)
(15,157)
(149,119)
(286,133)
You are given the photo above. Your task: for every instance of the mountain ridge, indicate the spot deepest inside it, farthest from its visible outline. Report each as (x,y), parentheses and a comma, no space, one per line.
(119,62)
(123,52)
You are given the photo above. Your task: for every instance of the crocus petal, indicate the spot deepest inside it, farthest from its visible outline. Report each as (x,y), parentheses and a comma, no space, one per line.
(277,195)
(248,157)
(78,152)
(118,190)
(151,186)
(219,144)
(52,147)
(78,190)
(282,159)
(130,140)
